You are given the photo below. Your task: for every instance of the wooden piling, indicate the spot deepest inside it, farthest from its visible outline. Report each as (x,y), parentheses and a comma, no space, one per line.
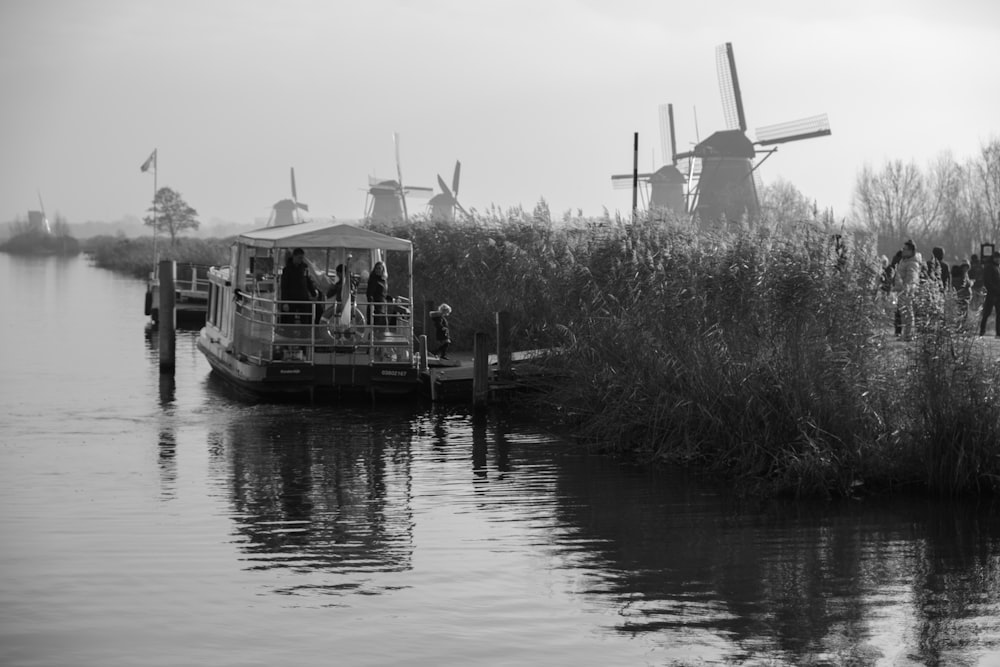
(168,315)
(480,370)
(503,345)
(422,342)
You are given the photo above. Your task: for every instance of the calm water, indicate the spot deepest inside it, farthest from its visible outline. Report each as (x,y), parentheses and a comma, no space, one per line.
(163,521)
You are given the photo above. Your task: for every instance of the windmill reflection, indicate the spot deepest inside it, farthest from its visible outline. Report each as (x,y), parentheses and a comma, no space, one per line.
(327,501)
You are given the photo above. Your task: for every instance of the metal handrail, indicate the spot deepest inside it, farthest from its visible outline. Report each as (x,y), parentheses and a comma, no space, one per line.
(258,312)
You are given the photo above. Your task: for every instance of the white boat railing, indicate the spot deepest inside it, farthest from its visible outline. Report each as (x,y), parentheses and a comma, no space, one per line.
(310,331)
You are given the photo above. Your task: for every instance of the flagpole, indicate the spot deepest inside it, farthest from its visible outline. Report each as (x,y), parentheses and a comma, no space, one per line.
(156,258)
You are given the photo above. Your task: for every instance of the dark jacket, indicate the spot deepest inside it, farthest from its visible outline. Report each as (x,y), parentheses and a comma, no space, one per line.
(440,326)
(960,280)
(297,283)
(377,288)
(991,278)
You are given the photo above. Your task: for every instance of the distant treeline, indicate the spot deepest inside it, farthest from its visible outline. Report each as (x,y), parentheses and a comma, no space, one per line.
(134,257)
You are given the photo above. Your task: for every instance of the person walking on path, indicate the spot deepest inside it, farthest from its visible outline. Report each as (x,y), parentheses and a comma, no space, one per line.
(962,287)
(991,281)
(907,284)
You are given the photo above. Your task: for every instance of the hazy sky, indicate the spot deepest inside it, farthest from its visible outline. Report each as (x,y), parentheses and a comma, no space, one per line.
(536,98)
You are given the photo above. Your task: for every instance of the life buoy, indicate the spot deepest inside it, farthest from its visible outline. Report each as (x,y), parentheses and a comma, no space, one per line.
(351,333)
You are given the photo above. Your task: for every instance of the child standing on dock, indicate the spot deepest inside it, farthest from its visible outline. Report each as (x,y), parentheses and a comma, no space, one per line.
(440,319)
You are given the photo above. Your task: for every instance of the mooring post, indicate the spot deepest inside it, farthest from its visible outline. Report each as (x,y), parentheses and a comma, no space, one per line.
(480,370)
(168,315)
(423,368)
(422,343)
(503,345)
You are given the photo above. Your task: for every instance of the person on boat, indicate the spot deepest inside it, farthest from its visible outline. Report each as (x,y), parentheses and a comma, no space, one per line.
(440,319)
(297,285)
(378,288)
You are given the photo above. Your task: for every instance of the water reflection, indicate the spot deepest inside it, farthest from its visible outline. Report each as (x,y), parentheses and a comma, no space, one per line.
(858,583)
(327,499)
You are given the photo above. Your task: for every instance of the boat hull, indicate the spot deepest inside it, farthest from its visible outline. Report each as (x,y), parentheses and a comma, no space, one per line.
(330,371)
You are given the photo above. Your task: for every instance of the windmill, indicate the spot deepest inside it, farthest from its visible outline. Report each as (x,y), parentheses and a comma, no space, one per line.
(286,211)
(726,187)
(386,199)
(444,204)
(37,220)
(663,187)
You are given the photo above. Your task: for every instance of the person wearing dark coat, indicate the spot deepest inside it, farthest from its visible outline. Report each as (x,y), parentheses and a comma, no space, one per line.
(962,286)
(297,284)
(376,292)
(939,268)
(443,336)
(991,281)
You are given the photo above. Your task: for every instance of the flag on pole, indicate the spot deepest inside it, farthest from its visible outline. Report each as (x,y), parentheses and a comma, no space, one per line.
(151,160)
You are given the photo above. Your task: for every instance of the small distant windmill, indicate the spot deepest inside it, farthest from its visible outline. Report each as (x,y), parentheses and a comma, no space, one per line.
(726,187)
(286,211)
(444,204)
(665,186)
(38,222)
(386,200)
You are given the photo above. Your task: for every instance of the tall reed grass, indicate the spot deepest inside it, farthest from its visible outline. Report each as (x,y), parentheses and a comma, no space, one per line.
(757,355)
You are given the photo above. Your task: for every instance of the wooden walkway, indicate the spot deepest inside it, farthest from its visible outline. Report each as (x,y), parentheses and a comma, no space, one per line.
(451,380)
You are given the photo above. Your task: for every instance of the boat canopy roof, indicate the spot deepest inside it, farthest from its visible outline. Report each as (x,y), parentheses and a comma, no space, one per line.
(321,235)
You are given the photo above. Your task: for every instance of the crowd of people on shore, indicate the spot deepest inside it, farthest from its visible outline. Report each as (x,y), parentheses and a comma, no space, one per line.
(957,291)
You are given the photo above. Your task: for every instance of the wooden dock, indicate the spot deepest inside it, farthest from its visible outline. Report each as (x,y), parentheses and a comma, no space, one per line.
(453,380)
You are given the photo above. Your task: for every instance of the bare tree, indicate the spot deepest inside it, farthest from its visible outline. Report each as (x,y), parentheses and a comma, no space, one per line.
(985,171)
(891,202)
(173,215)
(782,204)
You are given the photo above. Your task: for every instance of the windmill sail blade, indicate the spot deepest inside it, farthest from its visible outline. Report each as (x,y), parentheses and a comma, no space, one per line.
(796,130)
(667,146)
(399,172)
(454,179)
(624,181)
(444,188)
(417,191)
(729,88)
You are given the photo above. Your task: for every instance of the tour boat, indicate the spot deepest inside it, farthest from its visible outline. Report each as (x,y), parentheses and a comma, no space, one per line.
(259,342)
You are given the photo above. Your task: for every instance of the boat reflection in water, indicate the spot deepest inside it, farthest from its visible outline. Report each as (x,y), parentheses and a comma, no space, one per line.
(410,518)
(328,501)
